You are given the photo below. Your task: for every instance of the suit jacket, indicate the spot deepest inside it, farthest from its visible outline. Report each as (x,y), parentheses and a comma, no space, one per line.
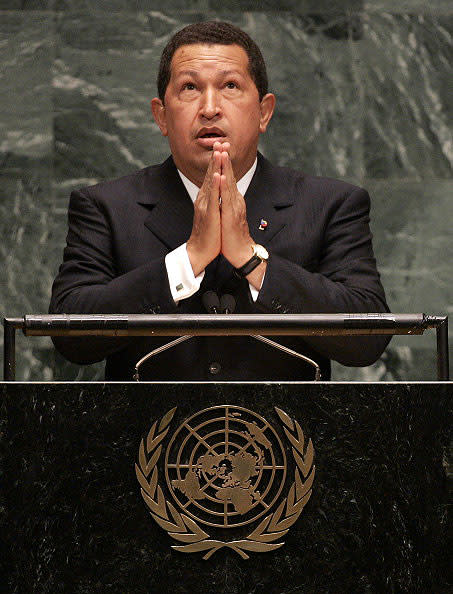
(321,261)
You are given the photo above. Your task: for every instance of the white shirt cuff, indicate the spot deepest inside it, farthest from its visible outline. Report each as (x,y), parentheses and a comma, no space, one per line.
(183,283)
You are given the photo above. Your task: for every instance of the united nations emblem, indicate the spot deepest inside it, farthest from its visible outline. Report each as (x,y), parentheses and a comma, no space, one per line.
(226,467)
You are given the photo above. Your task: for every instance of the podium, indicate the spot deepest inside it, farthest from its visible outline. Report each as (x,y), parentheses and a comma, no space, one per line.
(74,519)
(225,487)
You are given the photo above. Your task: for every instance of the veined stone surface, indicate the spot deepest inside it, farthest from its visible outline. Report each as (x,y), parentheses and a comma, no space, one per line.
(364,94)
(405,72)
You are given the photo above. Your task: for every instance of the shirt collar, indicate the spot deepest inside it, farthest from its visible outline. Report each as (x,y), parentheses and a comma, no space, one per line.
(242,184)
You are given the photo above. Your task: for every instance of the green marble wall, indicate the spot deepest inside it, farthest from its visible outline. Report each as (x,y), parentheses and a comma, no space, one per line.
(363,94)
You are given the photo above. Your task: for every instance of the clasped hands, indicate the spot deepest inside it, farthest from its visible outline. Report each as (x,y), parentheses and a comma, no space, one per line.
(220,219)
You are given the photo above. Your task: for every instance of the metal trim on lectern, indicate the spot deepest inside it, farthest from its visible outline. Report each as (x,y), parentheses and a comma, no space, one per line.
(226,325)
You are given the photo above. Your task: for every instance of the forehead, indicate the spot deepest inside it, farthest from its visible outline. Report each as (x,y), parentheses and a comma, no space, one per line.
(200,56)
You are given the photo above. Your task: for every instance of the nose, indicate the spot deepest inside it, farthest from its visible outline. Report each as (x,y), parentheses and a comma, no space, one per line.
(210,104)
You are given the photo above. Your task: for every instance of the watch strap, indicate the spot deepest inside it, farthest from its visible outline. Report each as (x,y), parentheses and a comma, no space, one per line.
(248,267)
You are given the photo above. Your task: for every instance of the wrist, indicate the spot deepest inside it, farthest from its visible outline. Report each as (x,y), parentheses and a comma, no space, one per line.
(242,255)
(196,259)
(259,255)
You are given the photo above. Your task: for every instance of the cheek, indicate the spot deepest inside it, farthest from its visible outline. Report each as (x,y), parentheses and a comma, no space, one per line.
(248,124)
(180,120)
(248,116)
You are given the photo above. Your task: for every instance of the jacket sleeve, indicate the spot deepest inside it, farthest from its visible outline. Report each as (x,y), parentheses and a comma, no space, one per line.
(346,280)
(87,281)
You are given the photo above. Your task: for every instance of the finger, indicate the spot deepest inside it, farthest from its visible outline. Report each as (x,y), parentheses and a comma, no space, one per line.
(214,166)
(215,190)
(224,191)
(223,186)
(229,187)
(221,146)
(214,163)
(227,168)
(215,182)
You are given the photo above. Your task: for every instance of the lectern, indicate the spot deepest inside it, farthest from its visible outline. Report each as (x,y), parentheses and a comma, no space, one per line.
(225,487)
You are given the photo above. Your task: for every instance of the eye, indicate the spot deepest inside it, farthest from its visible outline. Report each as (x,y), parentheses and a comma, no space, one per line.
(231,85)
(188,86)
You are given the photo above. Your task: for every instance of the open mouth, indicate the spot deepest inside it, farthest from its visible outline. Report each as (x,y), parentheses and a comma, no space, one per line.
(206,138)
(211,135)
(211,132)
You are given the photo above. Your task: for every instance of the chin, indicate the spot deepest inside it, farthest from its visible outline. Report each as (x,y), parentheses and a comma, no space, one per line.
(202,164)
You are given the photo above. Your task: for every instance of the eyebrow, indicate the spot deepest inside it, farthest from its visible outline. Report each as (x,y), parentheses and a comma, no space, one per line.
(195,74)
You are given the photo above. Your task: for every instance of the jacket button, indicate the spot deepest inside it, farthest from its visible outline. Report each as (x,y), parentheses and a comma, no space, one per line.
(214,368)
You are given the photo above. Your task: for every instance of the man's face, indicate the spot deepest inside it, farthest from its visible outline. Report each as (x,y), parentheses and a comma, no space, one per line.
(212,97)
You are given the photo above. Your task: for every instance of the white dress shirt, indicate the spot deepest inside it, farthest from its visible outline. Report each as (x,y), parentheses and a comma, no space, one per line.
(183,283)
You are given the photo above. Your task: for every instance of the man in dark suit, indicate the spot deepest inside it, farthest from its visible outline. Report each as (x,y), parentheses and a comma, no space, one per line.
(218,216)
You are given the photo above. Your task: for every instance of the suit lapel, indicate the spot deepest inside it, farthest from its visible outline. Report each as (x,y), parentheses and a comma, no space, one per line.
(171,209)
(265,201)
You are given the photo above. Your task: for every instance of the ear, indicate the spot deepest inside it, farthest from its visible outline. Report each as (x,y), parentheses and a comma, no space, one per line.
(267,106)
(158,109)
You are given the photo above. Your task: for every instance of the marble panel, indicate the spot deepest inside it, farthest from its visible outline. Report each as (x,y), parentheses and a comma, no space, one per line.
(405,66)
(28,247)
(129,5)
(301,6)
(409,6)
(296,6)
(27,4)
(26,46)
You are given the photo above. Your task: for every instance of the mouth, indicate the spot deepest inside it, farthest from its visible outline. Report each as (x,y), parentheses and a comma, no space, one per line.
(206,137)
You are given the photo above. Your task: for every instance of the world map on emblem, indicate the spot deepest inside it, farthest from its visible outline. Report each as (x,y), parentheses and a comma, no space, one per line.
(225,466)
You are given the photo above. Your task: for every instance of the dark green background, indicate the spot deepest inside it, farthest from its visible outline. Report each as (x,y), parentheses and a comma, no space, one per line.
(364,94)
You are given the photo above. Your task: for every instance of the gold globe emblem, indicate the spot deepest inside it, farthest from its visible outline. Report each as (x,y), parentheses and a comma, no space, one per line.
(225,466)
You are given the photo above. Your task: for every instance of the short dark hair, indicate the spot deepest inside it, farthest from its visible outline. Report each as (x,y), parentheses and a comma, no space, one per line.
(213,32)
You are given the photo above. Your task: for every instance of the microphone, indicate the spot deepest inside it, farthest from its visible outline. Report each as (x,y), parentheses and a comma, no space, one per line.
(211,302)
(227,304)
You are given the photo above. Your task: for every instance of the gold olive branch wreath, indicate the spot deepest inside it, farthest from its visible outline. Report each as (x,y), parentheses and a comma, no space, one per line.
(180,527)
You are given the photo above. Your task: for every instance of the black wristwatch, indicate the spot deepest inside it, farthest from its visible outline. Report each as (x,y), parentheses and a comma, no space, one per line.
(260,254)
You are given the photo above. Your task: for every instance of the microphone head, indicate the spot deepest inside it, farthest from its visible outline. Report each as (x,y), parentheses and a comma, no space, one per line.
(211,302)
(227,303)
